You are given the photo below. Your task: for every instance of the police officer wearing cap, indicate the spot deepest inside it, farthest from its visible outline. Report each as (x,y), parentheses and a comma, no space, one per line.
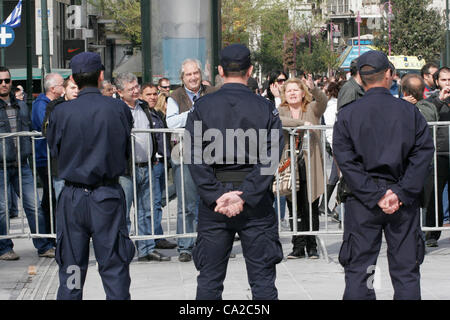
(90,137)
(234,184)
(383,147)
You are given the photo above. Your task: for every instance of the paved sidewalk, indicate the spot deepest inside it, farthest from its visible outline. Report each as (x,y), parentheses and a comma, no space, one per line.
(301,279)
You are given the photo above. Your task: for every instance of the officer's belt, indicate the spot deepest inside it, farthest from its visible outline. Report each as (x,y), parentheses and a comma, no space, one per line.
(387,181)
(103,183)
(230,176)
(343,191)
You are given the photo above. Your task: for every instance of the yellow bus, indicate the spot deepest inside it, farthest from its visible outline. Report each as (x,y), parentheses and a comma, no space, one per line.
(407,64)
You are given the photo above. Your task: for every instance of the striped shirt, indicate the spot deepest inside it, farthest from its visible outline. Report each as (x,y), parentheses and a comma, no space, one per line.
(11,112)
(12,116)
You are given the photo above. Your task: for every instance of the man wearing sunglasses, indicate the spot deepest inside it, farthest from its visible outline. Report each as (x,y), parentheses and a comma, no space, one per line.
(164,85)
(14,117)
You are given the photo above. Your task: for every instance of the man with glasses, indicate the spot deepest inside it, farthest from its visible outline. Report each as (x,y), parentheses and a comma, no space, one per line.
(54,89)
(145,148)
(164,85)
(15,118)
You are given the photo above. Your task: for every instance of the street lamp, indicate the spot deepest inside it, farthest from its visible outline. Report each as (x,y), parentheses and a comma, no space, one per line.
(447,36)
(390,17)
(331,35)
(358,21)
(389,20)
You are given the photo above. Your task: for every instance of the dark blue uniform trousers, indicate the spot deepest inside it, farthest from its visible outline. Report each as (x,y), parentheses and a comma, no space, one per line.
(361,246)
(260,245)
(100,214)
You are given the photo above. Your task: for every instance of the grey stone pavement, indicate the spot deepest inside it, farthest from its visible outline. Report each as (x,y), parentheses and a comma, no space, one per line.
(301,279)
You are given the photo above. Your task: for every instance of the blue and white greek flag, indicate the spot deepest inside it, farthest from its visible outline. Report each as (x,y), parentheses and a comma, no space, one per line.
(14,18)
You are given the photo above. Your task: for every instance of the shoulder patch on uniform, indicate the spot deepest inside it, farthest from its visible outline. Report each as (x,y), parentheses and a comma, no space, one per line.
(275,112)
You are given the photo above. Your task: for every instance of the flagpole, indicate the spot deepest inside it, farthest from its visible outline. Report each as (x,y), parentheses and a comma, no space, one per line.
(45,38)
(2,51)
(29,54)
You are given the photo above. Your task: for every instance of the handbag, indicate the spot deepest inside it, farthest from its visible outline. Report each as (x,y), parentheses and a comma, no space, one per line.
(283,177)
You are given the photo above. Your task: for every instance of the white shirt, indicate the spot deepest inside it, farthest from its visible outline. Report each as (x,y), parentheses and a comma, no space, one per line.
(329,117)
(174,118)
(277,102)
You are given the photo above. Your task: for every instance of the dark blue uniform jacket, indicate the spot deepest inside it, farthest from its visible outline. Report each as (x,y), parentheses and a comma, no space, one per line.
(105,148)
(380,136)
(235,107)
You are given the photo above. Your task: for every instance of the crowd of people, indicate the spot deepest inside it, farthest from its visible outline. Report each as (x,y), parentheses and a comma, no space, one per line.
(301,100)
(427,90)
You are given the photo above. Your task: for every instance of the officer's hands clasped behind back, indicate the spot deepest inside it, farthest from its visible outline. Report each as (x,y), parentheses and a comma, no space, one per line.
(230,204)
(390,202)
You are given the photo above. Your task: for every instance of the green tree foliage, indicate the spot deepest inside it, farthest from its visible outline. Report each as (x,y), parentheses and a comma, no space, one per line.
(274,26)
(415,30)
(241,19)
(237,18)
(318,59)
(127,14)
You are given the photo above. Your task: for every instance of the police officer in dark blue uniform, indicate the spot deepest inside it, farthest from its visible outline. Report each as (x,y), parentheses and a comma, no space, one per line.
(90,137)
(234,183)
(383,147)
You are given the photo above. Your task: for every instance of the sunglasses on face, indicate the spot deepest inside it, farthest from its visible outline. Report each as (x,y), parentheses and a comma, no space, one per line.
(281,80)
(7,81)
(165,87)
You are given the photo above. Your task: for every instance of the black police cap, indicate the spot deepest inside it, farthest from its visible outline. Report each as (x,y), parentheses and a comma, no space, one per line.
(375,59)
(235,57)
(86,62)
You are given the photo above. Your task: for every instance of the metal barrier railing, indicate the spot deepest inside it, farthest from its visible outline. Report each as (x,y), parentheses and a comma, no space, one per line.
(306,131)
(316,133)
(16,174)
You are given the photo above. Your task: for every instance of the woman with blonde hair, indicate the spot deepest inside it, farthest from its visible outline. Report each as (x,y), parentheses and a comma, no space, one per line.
(161,105)
(298,109)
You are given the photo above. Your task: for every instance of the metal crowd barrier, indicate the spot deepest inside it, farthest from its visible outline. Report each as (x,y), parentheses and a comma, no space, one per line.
(326,227)
(169,219)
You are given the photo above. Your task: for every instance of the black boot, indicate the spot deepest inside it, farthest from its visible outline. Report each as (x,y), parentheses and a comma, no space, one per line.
(298,250)
(297,253)
(311,247)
